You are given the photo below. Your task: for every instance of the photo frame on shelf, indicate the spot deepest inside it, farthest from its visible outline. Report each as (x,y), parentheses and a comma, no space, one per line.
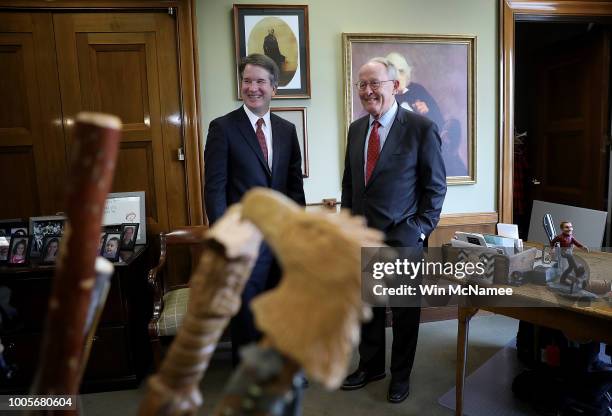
(19,251)
(40,227)
(437,75)
(297,116)
(11,226)
(111,246)
(5,242)
(127,207)
(51,249)
(128,236)
(280,32)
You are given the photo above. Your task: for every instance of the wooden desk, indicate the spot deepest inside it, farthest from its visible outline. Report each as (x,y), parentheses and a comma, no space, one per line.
(593,322)
(120,353)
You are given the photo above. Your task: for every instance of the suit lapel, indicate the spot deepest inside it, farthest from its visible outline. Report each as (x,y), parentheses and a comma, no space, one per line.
(244,125)
(277,142)
(362,131)
(398,128)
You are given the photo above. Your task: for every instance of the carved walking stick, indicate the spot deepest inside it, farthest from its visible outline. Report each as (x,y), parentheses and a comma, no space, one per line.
(92,166)
(312,319)
(231,247)
(320,254)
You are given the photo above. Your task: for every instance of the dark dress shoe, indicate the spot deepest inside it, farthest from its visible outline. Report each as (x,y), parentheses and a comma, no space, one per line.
(360,378)
(398,391)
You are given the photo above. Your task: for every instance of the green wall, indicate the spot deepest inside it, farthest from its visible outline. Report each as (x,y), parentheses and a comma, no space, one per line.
(325,110)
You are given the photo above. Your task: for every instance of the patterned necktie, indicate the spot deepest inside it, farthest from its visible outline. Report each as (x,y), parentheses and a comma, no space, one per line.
(373,150)
(261,138)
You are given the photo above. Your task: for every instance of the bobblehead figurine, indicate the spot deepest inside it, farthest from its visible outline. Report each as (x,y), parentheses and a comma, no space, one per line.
(566,239)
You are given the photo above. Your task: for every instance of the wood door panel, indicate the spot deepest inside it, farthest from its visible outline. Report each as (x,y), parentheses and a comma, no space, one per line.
(123,69)
(14,114)
(113,62)
(18,182)
(566,87)
(30,128)
(135,171)
(569,141)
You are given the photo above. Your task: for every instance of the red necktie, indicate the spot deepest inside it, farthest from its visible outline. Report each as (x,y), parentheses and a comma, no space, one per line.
(373,150)
(261,138)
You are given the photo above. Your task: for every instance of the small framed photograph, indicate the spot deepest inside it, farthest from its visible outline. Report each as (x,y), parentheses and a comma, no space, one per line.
(297,115)
(11,226)
(110,249)
(281,33)
(18,250)
(40,227)
(50,250)
(5,242)
(128,236)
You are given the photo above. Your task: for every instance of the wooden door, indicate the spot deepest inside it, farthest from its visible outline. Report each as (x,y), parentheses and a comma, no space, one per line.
(126,64)
(32,152)
(570,140)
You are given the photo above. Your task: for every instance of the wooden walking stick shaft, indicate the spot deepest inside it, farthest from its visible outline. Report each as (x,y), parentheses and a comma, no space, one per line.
(90,177)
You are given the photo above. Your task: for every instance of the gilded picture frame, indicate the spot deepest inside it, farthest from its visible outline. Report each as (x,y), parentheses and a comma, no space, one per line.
(280,32)
(438,81)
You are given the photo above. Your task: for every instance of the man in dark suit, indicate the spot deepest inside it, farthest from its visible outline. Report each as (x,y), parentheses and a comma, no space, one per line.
(394,176)
(247,148)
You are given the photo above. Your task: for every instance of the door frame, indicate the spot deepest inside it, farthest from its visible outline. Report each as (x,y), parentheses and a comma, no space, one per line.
(512,11)
(188,76)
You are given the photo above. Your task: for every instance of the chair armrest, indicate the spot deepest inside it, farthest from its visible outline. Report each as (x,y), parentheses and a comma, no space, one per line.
(156,283)
(187,235)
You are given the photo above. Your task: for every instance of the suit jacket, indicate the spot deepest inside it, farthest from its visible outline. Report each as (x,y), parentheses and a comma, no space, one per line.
(406,190)
(234,162)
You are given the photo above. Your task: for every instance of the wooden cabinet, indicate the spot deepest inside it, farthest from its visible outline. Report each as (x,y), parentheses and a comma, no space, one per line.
(54,64)
(121,352)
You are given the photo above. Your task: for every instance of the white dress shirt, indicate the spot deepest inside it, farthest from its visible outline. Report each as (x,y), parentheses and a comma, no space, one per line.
(266,127)
(386,121)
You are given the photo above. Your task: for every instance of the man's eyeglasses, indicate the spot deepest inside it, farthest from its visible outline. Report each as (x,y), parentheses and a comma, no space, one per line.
(259,82)
(362,85)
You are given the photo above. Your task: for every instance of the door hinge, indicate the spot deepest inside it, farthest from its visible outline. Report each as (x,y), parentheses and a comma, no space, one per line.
(172,11)
(180,154)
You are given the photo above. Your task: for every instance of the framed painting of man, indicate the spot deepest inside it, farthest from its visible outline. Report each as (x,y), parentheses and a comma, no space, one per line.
(436,76)
(280,32)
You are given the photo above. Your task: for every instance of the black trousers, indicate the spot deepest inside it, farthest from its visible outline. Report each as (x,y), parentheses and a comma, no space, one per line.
(405,336)
(266,275)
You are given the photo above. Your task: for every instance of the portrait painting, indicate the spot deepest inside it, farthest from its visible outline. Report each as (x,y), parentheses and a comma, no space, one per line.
(281,33)
(436,80)
(297,116)
(18,250)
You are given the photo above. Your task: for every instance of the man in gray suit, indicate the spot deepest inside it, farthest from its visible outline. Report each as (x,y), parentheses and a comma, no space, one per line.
(394,176)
